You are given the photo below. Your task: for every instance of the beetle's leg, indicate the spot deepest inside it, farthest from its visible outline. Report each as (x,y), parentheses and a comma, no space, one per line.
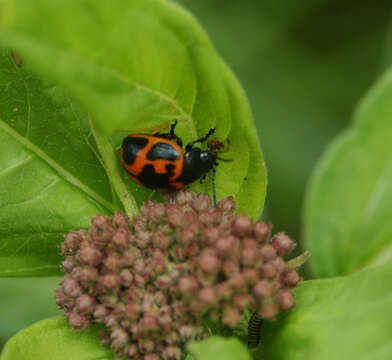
(171,135)
(203,178)
(189,146)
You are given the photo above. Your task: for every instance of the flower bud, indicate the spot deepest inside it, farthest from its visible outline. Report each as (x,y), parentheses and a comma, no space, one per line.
(269,271)
(119,338)
(77,321)
(211,235)
(71,287)
(126,277)
(282,244)
(156,212)
(250,275)
(146,345)
(230,268)
(88,274)
(85,304)
(130,351)
(267,252)
(120,220)
(120,239)
(148,323)
(268,311)
(112,262)
(100,236)
(261,231)
(111,281)
(151,357)
(242,226)
(132,311)
(171,353)
(285,299)
(209,262)
(184,197)
(208,296)
(227,204)
(100,221)
(142,239)
(187,285)
(71,243)
(161,241)
(263,289)
(248,256)
(201,203)
(225,246)
(100,312)
(231,316)
(186,332)
(68,264)
(291,278)
(90,255)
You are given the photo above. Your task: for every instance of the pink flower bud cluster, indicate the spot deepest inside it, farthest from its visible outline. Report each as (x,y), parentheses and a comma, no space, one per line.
(154,280)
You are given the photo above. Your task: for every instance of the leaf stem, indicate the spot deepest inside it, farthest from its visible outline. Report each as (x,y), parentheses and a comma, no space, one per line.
(111,166)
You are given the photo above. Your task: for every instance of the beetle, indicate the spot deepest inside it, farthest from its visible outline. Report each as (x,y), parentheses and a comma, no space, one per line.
(158,162)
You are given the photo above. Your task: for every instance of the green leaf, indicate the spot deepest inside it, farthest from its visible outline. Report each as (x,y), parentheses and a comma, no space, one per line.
(24,301)
(50,179)
(134,64)
(348,212)
(53,339)
(216,347)
(342,318)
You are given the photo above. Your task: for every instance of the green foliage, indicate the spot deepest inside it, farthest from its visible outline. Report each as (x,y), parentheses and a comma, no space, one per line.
(147,63)
(53,339)
(216,347)
(341,318)
(137,64)
(49,152)
(349,206)
(19,311)
(51,181)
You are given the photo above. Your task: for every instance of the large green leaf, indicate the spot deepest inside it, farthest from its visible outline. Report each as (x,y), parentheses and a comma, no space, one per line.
(50,179)
(348,213)
(24,301)
(53,339)
(217,347)
(342,318)
(136,64)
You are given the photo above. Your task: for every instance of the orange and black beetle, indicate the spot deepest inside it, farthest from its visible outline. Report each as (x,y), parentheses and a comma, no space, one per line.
(158,161)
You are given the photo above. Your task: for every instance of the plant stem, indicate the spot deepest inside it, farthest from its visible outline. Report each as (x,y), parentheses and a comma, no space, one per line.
(112,169)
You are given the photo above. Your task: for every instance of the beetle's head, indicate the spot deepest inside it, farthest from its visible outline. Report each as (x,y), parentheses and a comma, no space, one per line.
(208,159)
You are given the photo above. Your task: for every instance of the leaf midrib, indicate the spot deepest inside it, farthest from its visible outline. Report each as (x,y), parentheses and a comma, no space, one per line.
(66,175)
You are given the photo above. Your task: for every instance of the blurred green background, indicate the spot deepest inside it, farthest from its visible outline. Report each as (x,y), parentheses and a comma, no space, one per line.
(304,65)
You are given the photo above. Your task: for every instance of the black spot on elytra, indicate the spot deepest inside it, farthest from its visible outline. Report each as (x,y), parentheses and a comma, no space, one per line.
(163,151)
(149,178)
(170,167)
(131,146)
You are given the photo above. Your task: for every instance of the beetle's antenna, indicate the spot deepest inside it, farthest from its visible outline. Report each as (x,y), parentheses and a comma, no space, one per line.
(213,186)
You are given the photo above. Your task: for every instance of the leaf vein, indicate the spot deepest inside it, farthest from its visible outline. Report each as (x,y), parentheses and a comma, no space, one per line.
(64,173)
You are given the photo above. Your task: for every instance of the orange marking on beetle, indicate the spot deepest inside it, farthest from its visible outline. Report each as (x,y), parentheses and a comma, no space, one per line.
(159,164)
